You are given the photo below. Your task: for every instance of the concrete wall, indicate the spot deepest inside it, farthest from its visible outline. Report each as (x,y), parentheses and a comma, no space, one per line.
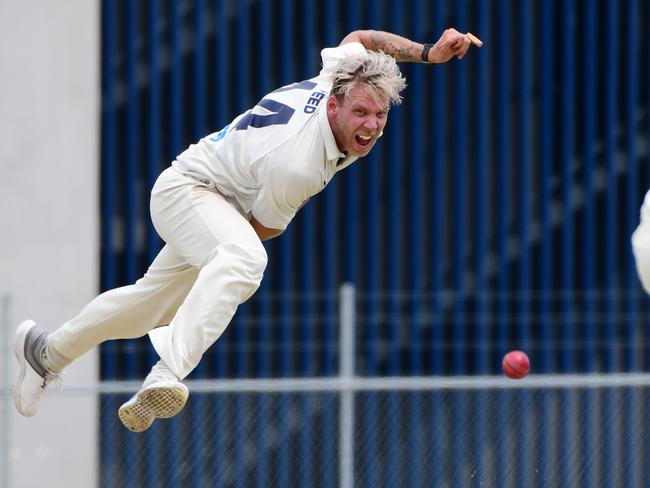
(49,204)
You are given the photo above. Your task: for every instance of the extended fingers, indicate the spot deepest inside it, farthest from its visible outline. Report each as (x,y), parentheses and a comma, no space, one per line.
(454,43)
(474,40)
(462,44)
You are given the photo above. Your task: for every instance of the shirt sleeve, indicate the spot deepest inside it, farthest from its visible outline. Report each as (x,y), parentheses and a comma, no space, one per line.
(284,191)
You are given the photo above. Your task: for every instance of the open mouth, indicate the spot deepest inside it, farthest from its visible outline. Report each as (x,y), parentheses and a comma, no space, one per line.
(363,141)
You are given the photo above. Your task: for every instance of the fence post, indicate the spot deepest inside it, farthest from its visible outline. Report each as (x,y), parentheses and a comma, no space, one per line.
(5,332)
(347,319)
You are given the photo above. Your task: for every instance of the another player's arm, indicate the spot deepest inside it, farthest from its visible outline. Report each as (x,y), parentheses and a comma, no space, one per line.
(641,244)
(451,43)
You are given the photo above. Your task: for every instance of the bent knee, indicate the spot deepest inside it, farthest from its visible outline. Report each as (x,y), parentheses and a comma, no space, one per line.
(245,265)
(247,258)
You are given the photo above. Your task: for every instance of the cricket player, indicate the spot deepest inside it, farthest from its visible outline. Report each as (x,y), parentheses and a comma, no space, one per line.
(641,244)
(216,204)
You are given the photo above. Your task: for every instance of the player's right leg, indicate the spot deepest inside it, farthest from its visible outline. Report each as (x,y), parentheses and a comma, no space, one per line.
(129,311)
(126,312)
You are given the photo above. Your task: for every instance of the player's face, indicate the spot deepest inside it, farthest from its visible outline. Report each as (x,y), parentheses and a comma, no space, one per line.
(357,121)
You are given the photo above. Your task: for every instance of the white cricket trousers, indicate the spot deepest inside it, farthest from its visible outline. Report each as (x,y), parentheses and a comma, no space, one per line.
(212,261)
(641,244)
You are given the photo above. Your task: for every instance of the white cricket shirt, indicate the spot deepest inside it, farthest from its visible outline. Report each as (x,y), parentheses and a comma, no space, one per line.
(272,158)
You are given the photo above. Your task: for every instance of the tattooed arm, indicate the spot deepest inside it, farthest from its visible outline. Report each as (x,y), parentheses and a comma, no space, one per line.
(451,43)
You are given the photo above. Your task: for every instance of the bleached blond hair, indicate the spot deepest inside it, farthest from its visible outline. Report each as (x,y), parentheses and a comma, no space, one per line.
(376,71)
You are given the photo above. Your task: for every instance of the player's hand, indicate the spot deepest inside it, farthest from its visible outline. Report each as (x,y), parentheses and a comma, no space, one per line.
(452,43)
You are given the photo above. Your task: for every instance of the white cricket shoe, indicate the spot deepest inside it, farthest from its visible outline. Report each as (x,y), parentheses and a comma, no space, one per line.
(162,396)
(32,377)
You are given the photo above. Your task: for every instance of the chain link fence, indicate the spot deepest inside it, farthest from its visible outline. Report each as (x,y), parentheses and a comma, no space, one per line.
(5,391)
(407,432)
(357,430)
(352,429)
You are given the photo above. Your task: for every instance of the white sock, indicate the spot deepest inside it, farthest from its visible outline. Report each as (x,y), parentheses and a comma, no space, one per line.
(53,360)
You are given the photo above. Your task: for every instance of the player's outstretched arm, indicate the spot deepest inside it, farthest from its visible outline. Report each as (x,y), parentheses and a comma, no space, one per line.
(451,43)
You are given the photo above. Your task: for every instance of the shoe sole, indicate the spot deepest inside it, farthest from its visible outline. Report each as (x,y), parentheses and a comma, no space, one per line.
(160,401)
(21,360)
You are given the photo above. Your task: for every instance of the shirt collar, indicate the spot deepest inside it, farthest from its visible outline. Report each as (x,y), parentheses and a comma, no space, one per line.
(332,150)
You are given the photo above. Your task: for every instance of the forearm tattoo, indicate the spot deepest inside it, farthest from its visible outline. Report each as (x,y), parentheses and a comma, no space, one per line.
(400,48)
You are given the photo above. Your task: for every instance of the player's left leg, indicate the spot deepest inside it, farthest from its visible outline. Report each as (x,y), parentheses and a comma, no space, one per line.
(208,231)
(162,396)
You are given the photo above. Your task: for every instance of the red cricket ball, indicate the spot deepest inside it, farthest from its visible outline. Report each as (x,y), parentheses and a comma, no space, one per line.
(515,364)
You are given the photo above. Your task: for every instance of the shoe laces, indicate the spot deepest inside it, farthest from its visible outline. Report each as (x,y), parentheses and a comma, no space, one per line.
(52,379)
